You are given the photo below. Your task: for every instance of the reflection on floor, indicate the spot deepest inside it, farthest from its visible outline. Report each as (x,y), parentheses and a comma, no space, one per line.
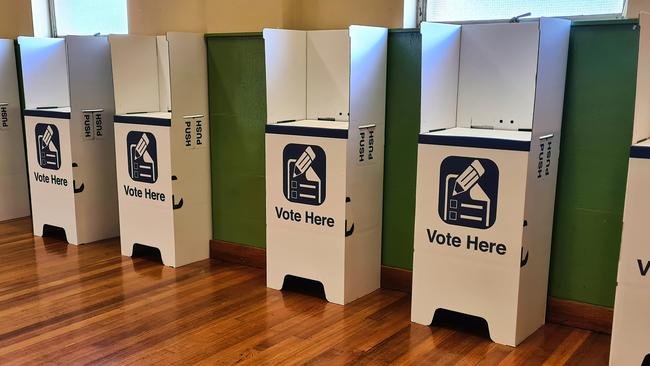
(62,304)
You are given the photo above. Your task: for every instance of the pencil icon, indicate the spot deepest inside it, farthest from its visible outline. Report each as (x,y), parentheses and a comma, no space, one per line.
(304,162)
(469,177)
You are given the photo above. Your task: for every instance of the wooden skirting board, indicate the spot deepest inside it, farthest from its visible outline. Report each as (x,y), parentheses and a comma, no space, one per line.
(565,312)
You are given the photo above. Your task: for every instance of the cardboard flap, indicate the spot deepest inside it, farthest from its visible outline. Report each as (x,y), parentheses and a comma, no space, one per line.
(440,63)
(189,75)
(45,72)
(285,52)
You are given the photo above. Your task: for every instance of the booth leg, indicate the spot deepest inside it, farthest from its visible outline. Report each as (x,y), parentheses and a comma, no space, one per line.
(333,294)
(38,228)
(127,250)
(274,280)
(421,313)
(167,258)
(502,333)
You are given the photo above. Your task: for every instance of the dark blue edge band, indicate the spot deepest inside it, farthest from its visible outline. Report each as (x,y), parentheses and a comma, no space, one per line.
(140,120)
(47,114)
(307,131)
(479,142)
(640,152)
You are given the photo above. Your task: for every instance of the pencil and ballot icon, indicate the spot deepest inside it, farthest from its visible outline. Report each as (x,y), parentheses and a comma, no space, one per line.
(142,156)
(468,192)
(48,146)
(304,174)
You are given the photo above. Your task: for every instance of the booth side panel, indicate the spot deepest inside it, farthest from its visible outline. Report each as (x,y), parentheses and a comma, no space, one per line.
(145,189)
(630,336)
(365,160)
(286,74)
(190,147)
(14,193)
(440,63)
(45,72)
(635,251)
(305,211)
(542,174)
(92,137)
(164,81)
(50,174)
(641,129)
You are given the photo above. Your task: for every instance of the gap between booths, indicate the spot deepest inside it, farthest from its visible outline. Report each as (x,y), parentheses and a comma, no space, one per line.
(597,127)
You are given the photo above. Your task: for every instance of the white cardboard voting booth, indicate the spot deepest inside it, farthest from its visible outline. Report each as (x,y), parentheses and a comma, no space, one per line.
(631,328)
(14,191)
(492,97)
(326,94)
(162,144)
(69,135)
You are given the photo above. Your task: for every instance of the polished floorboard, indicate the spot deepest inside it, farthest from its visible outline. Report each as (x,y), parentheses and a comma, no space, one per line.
(66,305)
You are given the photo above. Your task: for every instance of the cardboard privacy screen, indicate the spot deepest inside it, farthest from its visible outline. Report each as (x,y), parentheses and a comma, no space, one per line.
(14,193)
(630,336)
(69,135)
(326,94)
(491,111)
(162,145)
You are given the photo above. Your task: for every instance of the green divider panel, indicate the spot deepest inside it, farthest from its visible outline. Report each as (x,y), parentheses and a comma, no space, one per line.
(237,90)
(596,135)
(402,129)
(598,114)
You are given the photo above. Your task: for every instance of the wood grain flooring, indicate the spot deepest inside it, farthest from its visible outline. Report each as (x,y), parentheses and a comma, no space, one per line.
(67,305)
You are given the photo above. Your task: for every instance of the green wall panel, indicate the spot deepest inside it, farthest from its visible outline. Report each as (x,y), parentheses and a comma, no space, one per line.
(237,117)
(596,134)
(599,106)
(402,129)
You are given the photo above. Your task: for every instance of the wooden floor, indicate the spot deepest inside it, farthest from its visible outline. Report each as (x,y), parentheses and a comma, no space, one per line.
(68,305)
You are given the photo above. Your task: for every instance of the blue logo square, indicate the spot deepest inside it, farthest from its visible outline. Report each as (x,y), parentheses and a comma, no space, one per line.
(469,189)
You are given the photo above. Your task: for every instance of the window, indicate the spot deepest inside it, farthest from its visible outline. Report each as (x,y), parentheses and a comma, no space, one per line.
(86,17)
(467,10)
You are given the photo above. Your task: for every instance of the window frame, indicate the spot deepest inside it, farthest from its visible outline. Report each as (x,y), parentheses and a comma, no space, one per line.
(423,6)
(52,17)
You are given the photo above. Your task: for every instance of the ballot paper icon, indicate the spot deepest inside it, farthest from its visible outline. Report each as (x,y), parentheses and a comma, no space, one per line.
(304,174)
(48,146)
(468,192)
(142,156)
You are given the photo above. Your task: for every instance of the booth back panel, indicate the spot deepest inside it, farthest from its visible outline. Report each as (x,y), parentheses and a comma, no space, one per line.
(597,130)
(135,74)
(328,75)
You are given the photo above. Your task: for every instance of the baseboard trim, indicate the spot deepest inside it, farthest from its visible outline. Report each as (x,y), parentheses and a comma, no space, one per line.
(565,312)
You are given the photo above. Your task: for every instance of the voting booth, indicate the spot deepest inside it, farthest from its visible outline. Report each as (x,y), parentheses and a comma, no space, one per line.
(69,135)
(631,328)
(491,112)
(14,194)
(325,94)
(162,145)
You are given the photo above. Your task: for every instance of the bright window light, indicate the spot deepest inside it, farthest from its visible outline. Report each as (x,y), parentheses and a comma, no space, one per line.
(86,17)
(462,10)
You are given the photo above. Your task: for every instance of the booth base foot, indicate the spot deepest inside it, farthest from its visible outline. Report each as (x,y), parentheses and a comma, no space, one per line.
(276,282)
(498,332)
(46,230)
(166,258)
